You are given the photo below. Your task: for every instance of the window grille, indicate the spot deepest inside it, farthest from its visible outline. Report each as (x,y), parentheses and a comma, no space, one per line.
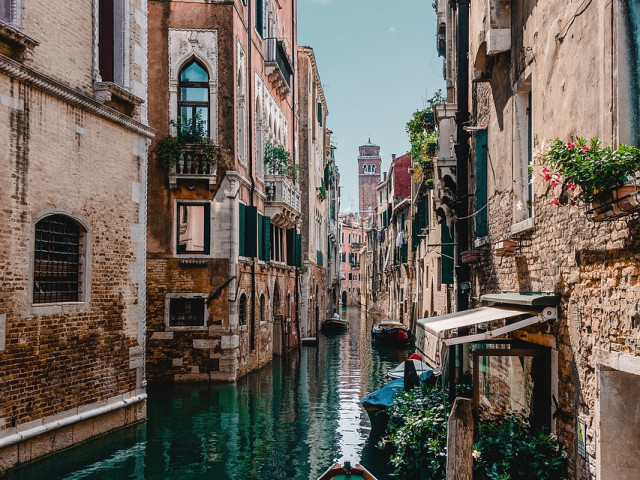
(186,312)
(56,275)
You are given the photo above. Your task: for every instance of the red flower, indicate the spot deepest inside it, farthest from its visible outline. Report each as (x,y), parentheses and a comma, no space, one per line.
(545,171)
(585,148)
(571,145)
(554,183)
(555,202)
(571,186)
(573,202)
(547,177)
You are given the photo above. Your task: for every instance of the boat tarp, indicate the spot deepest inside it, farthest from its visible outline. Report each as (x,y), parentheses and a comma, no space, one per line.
(385,397)
(398,372)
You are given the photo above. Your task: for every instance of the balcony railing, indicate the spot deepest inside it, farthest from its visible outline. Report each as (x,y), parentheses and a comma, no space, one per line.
(355,265)
(356,245)
(193,164)
(283,201)
(278,65)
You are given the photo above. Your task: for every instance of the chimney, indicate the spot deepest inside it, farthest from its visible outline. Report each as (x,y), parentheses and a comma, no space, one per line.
(393,157)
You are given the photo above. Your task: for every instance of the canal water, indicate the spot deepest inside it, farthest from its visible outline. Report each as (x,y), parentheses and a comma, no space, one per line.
(291,420)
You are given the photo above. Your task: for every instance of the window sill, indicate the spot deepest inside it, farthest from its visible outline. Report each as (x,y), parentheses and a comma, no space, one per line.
(523,226)
(202,328)
(54,308)
(117,97)
(16,44)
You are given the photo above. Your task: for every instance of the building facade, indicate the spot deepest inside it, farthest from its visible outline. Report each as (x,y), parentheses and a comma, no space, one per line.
(351,246)
(314,144)
(73,152)
(224,244)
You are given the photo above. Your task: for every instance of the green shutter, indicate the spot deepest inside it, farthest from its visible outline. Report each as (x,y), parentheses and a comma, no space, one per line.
(425,207)
(298,250)
(241,230)
(482,226)
(260,16)
(260,241)
(291,247)
(320,113)
(250,232)
(447,254)
(266,238)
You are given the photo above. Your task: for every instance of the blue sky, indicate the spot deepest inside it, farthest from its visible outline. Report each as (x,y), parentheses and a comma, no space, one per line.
(378,64)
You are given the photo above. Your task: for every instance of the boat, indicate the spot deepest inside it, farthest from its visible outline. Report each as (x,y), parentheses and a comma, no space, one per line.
(421,367)
(376,403)
(346,472)
(335,324)
(390,332)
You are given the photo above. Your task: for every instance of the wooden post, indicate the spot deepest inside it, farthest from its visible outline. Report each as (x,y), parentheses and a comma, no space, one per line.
(460,441)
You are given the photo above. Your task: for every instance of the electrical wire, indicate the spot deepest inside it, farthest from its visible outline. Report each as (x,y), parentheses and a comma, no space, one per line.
(581,9)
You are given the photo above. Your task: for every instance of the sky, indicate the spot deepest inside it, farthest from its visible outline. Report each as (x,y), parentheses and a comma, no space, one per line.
(378,64)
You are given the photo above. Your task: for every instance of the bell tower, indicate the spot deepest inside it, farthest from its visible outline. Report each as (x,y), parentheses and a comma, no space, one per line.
(369,166)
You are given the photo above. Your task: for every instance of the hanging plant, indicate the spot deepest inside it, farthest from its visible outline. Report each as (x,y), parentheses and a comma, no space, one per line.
(277,161)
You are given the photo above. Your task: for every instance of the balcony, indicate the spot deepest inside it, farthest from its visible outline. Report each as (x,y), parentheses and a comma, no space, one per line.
(193,165)
(278,65)
(355,265)
(356,245)
(283,201)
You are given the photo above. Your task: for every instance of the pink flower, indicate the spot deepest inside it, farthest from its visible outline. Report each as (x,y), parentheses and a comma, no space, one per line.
(554,183)
(585,148)
(571,186)
(571,145)
(555,202)
(547,177)
(545,171)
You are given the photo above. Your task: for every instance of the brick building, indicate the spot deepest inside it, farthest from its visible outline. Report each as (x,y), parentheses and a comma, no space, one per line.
(351,247)
(369,170)
(224,241)
(73,156)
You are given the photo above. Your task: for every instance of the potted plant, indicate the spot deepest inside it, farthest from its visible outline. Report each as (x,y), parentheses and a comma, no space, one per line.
(601,176)
(277,160)
(191,135)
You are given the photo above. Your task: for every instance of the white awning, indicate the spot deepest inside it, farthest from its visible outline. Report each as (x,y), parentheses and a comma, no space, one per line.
(436,333)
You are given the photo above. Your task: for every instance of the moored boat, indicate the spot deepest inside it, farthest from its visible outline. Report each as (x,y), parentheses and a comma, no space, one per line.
(391,332)
(421,367)
(335,324)
(339,472)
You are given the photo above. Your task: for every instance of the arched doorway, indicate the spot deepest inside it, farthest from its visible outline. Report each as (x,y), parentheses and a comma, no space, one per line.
(344,299)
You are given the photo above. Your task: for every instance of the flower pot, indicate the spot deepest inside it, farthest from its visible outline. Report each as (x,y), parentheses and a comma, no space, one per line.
(616,203)
(471,256)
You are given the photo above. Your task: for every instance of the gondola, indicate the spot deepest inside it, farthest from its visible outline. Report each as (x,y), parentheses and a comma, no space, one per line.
(335,324)
(389,332)
(339,472)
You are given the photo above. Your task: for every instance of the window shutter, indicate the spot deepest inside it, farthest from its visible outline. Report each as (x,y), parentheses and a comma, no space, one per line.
(260,16)
(266,238)
(447,254)
(291,246)
(250,232)
(207,229)
(482,217)
(241,230)
(320,113)
(260,238)
(298,250)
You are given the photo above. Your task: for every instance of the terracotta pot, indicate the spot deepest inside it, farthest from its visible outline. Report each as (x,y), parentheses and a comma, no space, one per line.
(616,203)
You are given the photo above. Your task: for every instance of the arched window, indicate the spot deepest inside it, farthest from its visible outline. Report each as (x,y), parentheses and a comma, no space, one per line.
(242,310)
(193,99)
(57,272)
(364,169)
(373,169)
(263,309)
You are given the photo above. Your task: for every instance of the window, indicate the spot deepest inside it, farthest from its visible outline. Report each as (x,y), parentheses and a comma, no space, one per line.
(58,259)
(320,113)
(193,99)
(7,11)
(261,17)
(263,309)
(523,154)
(111,41)
(193,228)
(187,312)
(242,310)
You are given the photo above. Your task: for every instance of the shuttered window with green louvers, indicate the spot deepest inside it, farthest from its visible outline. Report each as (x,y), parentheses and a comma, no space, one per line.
(291,247)
(482,217)
(260,238)
(266,238)
(241,229)
(250,231)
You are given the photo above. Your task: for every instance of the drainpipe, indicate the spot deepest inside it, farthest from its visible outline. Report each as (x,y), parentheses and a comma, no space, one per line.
(251,153)
(294,57)
(463,272)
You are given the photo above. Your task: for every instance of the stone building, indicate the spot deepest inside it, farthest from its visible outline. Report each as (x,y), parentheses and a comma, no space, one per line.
(369,169)
(314,143)
(527,63)
(351,247)
(224,245)
(333,236)
(73,156)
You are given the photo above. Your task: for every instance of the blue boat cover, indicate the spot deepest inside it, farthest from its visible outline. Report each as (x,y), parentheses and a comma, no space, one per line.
(385,397)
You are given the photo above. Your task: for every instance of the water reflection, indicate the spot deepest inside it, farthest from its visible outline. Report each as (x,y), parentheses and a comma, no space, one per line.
(289,420)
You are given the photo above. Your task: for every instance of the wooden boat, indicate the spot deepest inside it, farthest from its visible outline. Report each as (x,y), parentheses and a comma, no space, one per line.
(391,332)
(421,367)
(335,324)
(346,472)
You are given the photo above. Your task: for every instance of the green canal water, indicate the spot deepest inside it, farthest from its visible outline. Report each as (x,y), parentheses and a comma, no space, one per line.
(292,420)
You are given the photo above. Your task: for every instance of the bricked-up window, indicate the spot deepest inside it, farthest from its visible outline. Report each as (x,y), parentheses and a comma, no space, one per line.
(193,228)
(186,312)
(263,309)
(242,310)
(193,101)
(57,260)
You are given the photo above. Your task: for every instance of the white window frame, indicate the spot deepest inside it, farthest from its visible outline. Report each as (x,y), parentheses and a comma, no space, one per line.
(167,312)
(174,229)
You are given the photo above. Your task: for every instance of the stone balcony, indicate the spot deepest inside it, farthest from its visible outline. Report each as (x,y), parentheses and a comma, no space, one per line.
(193,166)
(278,65)
(283,201)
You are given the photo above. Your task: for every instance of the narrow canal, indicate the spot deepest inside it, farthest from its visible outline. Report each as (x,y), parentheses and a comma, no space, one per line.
(292,419)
